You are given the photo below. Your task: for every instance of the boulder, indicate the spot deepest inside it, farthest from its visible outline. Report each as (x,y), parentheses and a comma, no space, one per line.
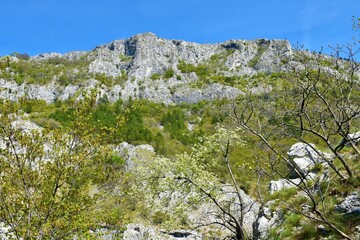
(208,213)
(354,137)
(132,153)
(267,220)
(25,125)
(141,232)
(5,232)
(351,204)
(278,185)
(304,157)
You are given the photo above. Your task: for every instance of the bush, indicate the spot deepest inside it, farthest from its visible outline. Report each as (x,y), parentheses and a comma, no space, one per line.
(174,123)
(155,76)
(169,73)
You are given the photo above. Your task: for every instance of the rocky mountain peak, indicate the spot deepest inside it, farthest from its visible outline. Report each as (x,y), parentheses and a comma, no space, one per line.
(163,70)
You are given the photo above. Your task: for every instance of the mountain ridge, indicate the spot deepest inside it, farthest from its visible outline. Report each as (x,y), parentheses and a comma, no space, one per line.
(147,66)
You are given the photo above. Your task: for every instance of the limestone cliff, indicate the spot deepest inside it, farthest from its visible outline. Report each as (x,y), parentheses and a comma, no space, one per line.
(149,67)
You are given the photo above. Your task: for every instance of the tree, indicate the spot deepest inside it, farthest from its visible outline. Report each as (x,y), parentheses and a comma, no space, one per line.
(131,125)
(190,181)
(317,102)
(46,175)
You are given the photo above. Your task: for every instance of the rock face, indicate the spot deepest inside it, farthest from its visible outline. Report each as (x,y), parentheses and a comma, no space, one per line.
(257,221)
(267,220)
(207,214)
(131,153)
(304,157)
(146,54)
(25,125)
(140,57)
(351,204)
(140,232)
(277,185)
(354,137)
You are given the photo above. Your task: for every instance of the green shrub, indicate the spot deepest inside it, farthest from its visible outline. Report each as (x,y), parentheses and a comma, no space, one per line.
(174,123)
(125,58)
(186,67)
(115,160)
(155,76)
(169,73)
(160,217)
(34,105)
(260,51)
(47,123)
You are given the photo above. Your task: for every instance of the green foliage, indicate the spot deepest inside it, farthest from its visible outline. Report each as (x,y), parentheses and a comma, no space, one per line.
(125,58)
(159,143)
(186,67)
(64,115)
(48,123)
(33,105)
(131,125)
(192,176)
(43,72)
(207,71)
(169,73)
(104,116)
(155,76)
(49,186)
(262,47)
(160,217)
(174,123)
(115,160)
(192,160)
(121,79)
(308,231)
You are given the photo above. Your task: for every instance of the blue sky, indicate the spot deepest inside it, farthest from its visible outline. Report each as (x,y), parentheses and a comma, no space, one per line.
(38,26)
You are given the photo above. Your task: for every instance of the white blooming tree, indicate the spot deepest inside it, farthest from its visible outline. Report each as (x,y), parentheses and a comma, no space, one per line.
(189,183)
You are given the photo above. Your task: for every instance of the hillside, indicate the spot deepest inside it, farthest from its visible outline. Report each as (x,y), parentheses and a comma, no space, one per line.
(148,67)
(149,138)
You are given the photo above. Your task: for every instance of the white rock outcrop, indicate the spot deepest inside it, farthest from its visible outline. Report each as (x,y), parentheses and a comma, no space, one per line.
(131,153)
(304,157)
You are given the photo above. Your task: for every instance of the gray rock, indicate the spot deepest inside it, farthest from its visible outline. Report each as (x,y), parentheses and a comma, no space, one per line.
(68,92)
(267,220)
(5,232)
(303,150)
(354,137)
(278,185)
(75,55)
(207,214)
(132,153)
(141,232)
(304,157)
(25,125)
(214,91)
(356,233)
(39,92)
(351,204)
(322,229)
(46,56)
(143,55)
(106,67)
(146,54)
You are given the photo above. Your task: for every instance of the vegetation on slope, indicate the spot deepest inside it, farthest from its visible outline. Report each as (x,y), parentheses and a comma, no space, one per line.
(81,183)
